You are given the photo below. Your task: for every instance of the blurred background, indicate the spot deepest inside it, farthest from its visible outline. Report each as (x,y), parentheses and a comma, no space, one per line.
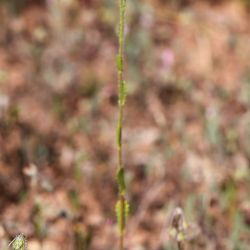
(187,123)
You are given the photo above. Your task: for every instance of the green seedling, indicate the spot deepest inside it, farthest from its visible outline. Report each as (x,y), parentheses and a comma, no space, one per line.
(180,230)
(19,243)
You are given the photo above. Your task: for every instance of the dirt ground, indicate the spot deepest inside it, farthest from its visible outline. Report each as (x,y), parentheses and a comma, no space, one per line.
(186,128)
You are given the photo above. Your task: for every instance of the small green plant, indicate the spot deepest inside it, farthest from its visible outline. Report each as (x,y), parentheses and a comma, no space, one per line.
(19,243)
(122,206)
(180,230)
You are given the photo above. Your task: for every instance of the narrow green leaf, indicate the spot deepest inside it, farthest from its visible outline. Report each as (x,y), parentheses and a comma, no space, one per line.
(118,216)
(123,93)
(118,210)
(121,180)
(119,135)
(119,63)
(127,209)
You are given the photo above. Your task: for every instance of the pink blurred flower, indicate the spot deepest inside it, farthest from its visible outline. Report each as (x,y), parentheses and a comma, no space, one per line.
(167,58)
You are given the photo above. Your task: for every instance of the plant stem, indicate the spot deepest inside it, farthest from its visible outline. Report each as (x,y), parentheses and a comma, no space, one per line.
(122,214)
(121,102)
(180,245)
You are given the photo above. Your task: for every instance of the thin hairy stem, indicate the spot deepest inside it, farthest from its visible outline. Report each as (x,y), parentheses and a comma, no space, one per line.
(122,225)
(121,103)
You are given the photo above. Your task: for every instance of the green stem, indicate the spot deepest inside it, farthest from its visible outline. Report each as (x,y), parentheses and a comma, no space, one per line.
(122,222)
(120,69)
